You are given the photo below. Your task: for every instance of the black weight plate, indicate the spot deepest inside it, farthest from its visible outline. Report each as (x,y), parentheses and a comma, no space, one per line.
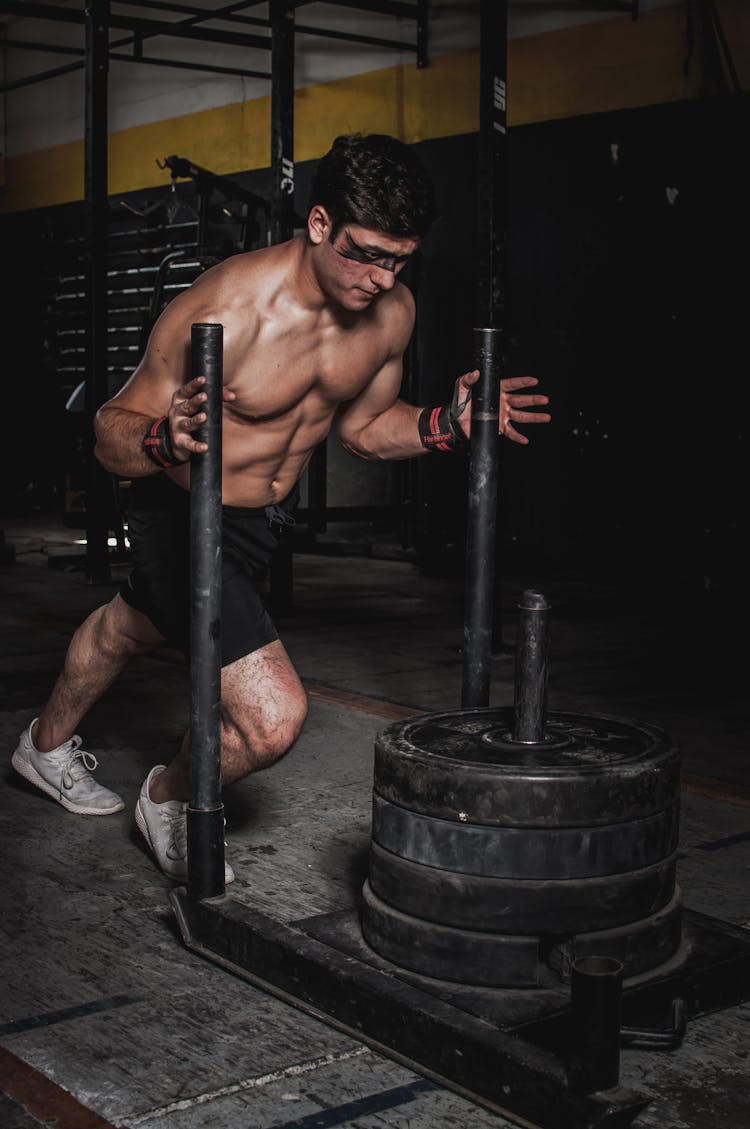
(502,905)
(640,946)
(459,955)
(525,852)
(591,769)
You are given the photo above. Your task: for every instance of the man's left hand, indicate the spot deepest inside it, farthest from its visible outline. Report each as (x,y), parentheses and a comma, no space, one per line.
(512,404)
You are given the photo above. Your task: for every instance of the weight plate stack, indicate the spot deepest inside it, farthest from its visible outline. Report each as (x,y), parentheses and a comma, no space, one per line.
(490,857)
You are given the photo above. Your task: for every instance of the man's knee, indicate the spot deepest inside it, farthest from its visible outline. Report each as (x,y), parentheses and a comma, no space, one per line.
(269,733)
(258,738)
(279,730)
(264,706)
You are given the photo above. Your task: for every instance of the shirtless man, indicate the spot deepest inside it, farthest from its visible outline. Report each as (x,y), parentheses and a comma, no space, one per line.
(314,334)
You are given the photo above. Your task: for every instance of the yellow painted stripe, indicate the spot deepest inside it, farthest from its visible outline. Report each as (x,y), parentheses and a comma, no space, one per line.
(594,68)
(616,64)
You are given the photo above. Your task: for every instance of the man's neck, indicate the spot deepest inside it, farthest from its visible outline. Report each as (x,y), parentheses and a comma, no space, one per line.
(303,286)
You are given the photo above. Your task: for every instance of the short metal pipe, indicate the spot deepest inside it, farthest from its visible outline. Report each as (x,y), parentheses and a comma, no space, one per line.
(482,518)
(532,664)
(205,818)
(595,1023)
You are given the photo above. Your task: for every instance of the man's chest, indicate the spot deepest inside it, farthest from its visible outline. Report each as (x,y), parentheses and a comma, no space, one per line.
(272,378)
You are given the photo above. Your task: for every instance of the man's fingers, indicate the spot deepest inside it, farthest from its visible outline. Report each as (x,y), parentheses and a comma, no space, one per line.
(187,445)
(531,417)
(511,433)
(191,423)
(515,403)
(192,386)
(511,383)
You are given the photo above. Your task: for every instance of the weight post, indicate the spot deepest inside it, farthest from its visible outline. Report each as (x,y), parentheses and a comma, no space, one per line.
(205,814)
(595,1024)
(532,662)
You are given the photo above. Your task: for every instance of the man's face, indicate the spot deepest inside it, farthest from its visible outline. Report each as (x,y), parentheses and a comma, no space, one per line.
(360,263)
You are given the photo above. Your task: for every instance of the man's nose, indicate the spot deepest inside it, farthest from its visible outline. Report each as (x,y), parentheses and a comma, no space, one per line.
(382,278)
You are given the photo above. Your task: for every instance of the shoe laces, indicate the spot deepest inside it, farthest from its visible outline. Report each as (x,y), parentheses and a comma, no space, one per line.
(78,764)
(174,817)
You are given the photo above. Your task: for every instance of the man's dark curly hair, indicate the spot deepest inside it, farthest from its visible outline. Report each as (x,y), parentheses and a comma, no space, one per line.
(374,181)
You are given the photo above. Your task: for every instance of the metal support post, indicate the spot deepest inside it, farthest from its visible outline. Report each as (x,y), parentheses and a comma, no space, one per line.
(282,119)
(98,486)
(423,29)
(205,817)
(493,160)
(282,216)
(492,214)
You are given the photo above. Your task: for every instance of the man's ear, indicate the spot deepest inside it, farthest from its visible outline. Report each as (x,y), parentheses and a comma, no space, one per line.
(318,225)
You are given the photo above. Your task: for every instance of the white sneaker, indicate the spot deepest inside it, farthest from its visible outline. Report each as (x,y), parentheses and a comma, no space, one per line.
(64,774)
(164,827)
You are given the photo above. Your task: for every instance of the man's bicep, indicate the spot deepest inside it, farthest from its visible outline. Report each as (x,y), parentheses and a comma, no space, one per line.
(162,370)
(380,394)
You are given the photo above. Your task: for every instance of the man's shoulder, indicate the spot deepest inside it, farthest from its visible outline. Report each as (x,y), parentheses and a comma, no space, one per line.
(237,282)
(396,308)
(242,264)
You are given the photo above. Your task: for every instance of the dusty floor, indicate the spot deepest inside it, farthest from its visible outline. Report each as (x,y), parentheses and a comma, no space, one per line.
(107,1019)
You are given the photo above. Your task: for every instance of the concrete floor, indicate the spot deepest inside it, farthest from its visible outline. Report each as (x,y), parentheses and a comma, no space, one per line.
(108,1020)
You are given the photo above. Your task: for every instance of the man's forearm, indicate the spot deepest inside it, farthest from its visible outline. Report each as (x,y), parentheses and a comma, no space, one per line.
(392,435)
(119,442)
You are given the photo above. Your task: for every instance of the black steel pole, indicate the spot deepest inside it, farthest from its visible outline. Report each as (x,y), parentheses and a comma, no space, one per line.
(532,664)
(98,483)
(595,1024)
(493,161)
(481,520)
(482,639)
(423,32)
(205,817)
(281,13)
(493,222)
(282,119)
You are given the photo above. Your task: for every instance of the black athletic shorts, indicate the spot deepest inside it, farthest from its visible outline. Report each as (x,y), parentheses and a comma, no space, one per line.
(159,582)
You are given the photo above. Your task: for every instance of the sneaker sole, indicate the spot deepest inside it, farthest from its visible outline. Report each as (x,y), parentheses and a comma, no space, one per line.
(142,826)
(29,773)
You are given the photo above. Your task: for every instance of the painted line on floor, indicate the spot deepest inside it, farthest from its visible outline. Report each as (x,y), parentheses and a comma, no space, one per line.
(255,1083)
(48,1018)
(716,790)
(719,844)
(395,711)
(362,1107)
(697,785)
(42,1098)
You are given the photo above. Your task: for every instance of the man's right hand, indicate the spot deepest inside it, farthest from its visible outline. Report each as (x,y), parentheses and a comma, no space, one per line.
(186,415)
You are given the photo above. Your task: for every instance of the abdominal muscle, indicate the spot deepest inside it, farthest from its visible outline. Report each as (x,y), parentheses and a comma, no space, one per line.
(262,461)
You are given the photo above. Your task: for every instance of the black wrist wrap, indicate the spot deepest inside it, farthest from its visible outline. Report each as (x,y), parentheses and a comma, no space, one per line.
(439,431)
(158,445)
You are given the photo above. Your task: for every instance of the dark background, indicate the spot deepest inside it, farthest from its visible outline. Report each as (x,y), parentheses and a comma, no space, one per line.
(629,309)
